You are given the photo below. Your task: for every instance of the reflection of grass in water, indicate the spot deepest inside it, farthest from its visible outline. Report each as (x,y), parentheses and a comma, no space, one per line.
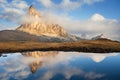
(102,45)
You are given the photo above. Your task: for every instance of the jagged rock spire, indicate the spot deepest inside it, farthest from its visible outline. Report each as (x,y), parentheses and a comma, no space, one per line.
(36,27)
(33,12)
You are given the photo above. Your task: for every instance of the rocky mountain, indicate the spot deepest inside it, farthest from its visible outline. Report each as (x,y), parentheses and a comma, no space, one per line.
(101,36)
(36,30)
(33,12)
(15,35)
(41,28)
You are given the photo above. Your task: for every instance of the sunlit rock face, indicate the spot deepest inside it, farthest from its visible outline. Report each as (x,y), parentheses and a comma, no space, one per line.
(39,27)
(34,12)
(43,29)
(34,66)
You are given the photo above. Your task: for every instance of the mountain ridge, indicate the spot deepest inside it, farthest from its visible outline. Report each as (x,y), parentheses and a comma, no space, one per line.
(41,28)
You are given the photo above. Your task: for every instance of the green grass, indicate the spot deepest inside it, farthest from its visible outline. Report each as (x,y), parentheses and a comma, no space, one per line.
(96,46)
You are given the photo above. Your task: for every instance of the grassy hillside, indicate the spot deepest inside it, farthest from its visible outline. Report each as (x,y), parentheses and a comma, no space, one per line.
(97,46)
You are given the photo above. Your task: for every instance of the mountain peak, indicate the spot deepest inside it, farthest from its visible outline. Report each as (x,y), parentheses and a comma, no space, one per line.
(31,6)
(101,36)
(33,12)
(41,28)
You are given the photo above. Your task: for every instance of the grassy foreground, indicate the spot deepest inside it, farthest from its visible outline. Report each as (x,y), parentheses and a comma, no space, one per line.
(96,46)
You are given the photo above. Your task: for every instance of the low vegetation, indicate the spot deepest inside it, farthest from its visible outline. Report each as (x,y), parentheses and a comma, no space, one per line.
(96,46)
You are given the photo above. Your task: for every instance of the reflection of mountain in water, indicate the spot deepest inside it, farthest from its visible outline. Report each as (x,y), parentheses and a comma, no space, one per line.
(34,66)
(99,57)
(39,54)
(54,65)
(51,56)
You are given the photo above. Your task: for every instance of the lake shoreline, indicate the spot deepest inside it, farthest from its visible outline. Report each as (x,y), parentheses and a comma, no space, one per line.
(94,46)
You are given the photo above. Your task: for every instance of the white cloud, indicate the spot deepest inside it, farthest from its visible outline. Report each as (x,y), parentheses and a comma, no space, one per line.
(97,17)
(93,26)
(21,4)
(91,1)
(3,1)
(46,3)
(66,4)
(13,10)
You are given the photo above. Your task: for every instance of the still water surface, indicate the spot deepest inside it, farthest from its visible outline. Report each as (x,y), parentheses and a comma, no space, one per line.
(60,66)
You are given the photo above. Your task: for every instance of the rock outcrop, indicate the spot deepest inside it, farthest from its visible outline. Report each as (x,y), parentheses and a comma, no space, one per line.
(41,28)
(34,12)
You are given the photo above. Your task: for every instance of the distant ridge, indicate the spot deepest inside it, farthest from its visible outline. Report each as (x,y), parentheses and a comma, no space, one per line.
(101,36)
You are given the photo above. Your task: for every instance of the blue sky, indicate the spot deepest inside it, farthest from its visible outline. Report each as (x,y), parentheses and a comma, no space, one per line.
(107,8)
(76,16)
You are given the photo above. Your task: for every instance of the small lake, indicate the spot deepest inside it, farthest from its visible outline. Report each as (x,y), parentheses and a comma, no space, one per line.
(53,65)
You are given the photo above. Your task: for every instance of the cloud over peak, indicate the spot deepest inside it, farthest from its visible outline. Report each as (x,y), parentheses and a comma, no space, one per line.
(95,25)
(97,17)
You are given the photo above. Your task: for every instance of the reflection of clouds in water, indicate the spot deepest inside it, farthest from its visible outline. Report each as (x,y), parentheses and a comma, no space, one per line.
(14,66)
(17,66)
(52,58)
(65,57)
(93,76)
(62,57)
(68,72)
